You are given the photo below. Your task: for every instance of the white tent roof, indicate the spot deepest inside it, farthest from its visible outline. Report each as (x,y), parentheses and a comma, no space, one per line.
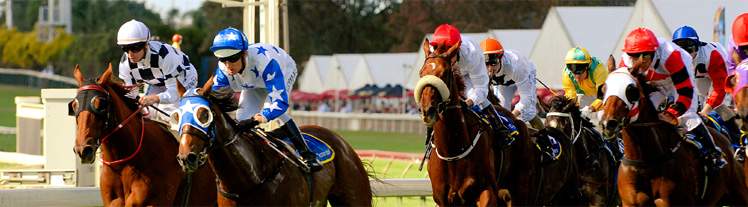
(520,40)
(594,28)
(385,68)
(341,70)
(664,16)
(313,79)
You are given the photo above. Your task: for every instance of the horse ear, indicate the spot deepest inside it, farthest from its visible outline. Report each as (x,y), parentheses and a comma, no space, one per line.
(206,87)
(426,47)
(107,74)
(632,93)
(78,75)
(601,91)
(452,49)
(611,63)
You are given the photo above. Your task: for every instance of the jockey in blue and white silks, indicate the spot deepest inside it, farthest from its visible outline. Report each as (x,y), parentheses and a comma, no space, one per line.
(264,74)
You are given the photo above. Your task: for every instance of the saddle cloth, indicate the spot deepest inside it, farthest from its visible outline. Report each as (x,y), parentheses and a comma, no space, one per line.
(320,148)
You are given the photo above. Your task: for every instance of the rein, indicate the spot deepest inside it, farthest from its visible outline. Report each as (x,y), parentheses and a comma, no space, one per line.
(568,115)
(119,126)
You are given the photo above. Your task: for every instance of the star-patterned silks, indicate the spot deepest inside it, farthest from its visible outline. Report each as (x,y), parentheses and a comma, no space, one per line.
(270,76)
(261,50)
(275,94)
(254,70)
(272,107)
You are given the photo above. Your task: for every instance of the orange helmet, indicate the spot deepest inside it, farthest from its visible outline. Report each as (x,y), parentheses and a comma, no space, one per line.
(640,40)
(491,46)
(446,34)
(176,38)
(740,30)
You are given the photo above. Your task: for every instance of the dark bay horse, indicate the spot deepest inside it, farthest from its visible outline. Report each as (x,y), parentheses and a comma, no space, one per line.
(138,154)
(596,165)
(252,173)
(659,166)
(464,167)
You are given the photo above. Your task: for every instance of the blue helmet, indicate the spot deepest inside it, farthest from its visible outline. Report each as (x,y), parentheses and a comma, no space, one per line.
(228,42)
(685,32)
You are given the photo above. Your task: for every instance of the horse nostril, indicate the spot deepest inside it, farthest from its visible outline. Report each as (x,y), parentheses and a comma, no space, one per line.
(191,158)
(610,125)
(87,151)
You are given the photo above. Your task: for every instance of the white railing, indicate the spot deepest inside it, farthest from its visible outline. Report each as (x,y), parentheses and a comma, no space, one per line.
(90,196)
(378,122)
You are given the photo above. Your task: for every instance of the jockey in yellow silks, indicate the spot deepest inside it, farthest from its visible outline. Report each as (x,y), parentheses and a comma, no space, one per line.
(582,78)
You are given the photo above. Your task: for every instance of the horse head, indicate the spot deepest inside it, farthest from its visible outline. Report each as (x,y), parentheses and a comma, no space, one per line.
(440,83)
(564,114)
(197,127)
(92,108)
(621,101)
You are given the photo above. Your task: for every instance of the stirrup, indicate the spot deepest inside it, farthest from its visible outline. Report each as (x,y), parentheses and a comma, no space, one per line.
(311,160)
(740,154)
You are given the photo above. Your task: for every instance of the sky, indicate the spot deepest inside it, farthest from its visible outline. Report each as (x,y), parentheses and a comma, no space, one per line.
(163,6)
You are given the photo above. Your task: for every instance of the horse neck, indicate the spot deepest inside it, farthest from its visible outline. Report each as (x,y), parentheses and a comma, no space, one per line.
(451,131)
(241,163)
(124,141)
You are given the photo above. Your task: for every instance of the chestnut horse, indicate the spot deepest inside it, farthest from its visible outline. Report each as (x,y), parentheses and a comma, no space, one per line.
(464,167)
(138,170)
(596,165)
(659,166)
(251,172)
(741,104)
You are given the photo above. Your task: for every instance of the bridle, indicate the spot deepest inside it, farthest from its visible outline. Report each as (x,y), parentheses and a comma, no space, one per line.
(454,103)
(574,133)
(97,91)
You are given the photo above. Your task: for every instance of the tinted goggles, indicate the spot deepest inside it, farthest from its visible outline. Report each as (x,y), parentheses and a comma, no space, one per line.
(641,55)
(493,59)
(577,68)
(135,47)
(689,45)
(231,59)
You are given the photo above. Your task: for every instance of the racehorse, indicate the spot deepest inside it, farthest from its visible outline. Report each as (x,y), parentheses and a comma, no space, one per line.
(138,170)
(660,167)
(596,165)
(741,104)
(251,172)
(464,166)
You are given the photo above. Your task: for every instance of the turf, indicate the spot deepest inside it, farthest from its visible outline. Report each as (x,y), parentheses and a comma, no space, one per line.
(8,142)
(386,141)
(8,102)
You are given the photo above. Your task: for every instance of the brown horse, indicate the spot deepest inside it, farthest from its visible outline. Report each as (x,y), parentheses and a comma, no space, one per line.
(251,172)
(138,170)
(659,166)
(464,166)
(596,165)
(741,104)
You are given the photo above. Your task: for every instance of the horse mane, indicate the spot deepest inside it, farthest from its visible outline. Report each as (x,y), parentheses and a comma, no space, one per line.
(565,104)
(119,91)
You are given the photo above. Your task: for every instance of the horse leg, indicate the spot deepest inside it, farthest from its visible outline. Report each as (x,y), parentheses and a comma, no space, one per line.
(111,189)
(627,188)
(505,196)
(139,194)
(487,198)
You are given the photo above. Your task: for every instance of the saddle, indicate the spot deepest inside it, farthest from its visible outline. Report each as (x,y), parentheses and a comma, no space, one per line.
(321,149)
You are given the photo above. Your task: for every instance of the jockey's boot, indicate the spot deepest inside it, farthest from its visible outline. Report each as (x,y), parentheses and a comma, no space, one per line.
(740,152)
(501,125)
(713,156)
(616,147)
(309,157)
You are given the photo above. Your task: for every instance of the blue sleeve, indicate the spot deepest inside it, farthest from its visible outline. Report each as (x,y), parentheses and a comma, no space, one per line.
(277,94)
(219,80)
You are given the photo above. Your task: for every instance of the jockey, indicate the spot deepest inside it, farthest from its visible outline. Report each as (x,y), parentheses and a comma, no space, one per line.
(666,67)
(738,50)
(583,76)
(265,75)
(154,63)
(492,50)
(509,74)
(710,68)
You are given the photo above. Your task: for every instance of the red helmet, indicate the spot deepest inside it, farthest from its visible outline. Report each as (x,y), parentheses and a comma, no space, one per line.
(640,40)
(740,30)
(176,38)
(446,34)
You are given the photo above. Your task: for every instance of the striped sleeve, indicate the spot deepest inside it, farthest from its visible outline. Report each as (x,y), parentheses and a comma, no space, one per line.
(718,73)
(682,81)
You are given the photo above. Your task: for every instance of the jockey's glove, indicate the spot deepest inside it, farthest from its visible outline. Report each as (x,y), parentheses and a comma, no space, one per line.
(246,125)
